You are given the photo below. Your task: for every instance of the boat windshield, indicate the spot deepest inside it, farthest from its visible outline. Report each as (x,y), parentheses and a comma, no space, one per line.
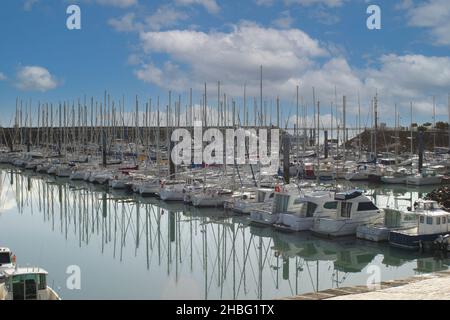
(428,206)
(307,209)
(5,258)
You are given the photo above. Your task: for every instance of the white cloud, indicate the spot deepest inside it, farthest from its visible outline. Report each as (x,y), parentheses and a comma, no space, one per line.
(118,3)
(404,4)
(290,58)
(168,76)
(210,5)
(35,78)
(165,16)
(284,21)
(236,56)
(306,3)
(125,23)
(328,3)
(3,76)
(434,15)
(28,4)
(264,3)
(134,59)
(410,75)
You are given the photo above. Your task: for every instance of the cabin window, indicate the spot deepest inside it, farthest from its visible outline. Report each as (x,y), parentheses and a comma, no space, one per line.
(330,205)
(30,289)
(5,258)
(429,220)
(444,220)
(280,203)
(308,208)
(42,282)
(311,209)
(346,209)
(366,206)
(422,219)
(271,195)
(438,220)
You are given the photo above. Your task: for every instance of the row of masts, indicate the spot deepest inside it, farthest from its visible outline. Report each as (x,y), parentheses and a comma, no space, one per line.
(88,121)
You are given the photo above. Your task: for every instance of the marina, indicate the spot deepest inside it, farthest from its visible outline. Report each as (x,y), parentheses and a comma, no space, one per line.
(170,246)
(218,150)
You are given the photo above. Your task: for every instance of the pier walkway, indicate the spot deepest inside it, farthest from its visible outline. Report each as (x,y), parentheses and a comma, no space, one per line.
(434,286)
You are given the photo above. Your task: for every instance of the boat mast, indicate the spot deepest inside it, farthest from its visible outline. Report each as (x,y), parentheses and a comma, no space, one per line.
(261,119)
(411,127)
(449,120)
(318,140)
(359,126)
(344,115)
(245,106)
(396,135)
(434,123)
(296,131)
(375,106)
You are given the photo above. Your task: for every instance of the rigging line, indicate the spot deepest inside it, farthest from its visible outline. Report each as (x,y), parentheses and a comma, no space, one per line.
(310,277)
(245,261)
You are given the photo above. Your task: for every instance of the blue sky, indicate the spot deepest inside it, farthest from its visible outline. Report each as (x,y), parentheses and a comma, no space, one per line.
(130,47)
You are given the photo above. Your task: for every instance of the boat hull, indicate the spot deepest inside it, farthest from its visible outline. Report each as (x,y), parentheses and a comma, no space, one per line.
(412,241)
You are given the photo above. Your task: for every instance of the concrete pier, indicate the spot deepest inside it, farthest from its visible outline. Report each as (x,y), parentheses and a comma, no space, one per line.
(434,286)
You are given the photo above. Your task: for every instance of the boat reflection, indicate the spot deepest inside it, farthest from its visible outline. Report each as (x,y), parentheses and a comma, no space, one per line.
(225,256)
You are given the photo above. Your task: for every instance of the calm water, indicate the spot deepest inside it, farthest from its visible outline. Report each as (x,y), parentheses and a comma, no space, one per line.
(134,248)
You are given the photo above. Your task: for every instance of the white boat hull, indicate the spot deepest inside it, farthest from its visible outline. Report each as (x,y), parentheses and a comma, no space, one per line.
(264,217)
(423,181)
(342,227)
(393,180)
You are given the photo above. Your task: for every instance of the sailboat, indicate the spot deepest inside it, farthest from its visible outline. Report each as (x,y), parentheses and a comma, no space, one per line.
(398,176)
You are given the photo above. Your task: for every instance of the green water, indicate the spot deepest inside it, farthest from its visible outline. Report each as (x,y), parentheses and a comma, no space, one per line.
(128,247)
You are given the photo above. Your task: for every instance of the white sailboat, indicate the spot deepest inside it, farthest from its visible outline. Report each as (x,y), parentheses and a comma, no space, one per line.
(395,177)
(424,178)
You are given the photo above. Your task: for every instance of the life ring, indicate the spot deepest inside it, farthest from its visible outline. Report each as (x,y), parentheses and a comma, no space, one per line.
(277,188)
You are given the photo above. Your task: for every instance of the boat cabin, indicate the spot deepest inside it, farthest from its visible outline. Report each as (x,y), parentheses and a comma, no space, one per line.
(264,195)
(6,257)
(7,261)
(388,161)
(286,202)
(26,284)
(432,219)
(353,203)
(317,202)
(304,205)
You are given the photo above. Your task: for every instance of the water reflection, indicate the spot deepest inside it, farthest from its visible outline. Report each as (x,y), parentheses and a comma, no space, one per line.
(142,248)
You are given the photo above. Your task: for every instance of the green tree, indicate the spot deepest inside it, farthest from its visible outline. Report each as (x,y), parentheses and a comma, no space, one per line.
(440,125)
